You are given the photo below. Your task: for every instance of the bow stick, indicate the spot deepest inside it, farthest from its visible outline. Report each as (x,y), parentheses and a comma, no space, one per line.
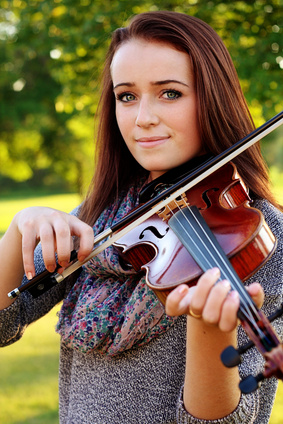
(151,207)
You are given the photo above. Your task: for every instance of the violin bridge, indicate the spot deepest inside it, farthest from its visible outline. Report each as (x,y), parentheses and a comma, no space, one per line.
(167,211)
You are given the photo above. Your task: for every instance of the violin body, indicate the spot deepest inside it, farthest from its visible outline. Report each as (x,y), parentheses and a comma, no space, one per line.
(223,201)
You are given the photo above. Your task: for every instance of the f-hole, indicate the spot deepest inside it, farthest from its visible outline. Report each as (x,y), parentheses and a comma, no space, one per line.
(154,231)
(206,199)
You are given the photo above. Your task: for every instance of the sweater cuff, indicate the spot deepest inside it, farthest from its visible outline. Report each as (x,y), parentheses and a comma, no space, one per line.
(11,329)
(245,413)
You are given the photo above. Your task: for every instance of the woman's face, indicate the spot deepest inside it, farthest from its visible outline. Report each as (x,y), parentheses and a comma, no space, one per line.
(156,104)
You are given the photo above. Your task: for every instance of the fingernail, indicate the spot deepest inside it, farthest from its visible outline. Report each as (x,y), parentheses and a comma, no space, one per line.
(225,283)
(234,295)
(64,264)
(29,276)
(214,271)
(81,258)
(182,289)
(51,268)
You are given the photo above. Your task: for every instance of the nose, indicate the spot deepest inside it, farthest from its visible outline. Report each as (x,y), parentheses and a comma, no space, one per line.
(146,114)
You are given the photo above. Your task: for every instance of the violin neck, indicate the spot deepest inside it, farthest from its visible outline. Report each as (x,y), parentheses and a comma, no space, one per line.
(194,233)
(196,236)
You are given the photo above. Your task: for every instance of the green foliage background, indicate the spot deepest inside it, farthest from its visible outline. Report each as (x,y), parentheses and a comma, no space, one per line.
(51,55)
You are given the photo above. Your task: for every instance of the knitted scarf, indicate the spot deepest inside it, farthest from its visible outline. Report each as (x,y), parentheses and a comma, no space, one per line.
(110,309)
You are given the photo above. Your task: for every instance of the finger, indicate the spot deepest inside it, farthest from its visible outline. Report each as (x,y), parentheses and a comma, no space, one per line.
(29,242)
(257,294)
(177,302)
(63,241)
(86,236)
(212,309)
(203,287)
(47,239)
(229,320)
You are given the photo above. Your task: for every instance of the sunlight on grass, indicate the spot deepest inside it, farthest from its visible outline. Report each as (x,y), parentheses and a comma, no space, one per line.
(29,375)
(277,183)
(277,412)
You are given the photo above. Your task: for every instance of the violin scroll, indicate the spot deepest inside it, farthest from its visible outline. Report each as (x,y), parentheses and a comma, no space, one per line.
(231,357)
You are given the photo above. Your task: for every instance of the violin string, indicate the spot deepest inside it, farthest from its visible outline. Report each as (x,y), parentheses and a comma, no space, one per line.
(247,305)
(245,298)
(231,276)
(247,302)
(246,311)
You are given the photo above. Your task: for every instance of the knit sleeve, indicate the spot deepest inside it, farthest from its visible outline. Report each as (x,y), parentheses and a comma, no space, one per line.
(245,413)
(26,309)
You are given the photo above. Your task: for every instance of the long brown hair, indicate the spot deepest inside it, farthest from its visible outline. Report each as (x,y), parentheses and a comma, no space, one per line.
(223,113)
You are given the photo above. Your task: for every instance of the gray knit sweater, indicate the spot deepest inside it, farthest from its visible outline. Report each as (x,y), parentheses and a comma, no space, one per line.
(144,385)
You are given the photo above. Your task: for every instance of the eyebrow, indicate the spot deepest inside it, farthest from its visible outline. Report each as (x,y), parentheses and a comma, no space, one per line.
(163,82)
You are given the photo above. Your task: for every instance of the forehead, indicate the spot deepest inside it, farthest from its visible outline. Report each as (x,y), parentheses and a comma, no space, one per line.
(141,58)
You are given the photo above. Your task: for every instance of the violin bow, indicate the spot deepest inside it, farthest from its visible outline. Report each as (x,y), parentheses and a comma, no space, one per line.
(107,237)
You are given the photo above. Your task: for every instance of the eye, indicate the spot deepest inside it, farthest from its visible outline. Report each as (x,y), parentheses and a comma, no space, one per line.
(125,97)
(172,94)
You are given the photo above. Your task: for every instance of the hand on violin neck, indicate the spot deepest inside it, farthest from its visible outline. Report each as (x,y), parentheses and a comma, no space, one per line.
(178,301)
(210,300)
(192,300)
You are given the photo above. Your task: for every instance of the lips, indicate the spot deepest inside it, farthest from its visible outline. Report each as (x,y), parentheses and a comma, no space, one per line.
(151,141)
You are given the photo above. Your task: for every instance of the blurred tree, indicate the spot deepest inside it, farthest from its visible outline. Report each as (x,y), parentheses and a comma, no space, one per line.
(51,56)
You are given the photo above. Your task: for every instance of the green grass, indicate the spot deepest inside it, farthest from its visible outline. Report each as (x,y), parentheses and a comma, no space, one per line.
(277,179)
(29,376)
(277,412)
(29,368)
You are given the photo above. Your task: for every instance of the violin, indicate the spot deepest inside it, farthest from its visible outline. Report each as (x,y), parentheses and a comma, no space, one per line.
(203,220)
(211,225)
(179,243)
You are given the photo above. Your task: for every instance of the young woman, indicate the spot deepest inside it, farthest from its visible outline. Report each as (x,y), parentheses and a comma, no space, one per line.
(170,96)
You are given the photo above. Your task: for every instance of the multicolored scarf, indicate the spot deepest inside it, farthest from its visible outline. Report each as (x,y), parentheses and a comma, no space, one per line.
(110,309)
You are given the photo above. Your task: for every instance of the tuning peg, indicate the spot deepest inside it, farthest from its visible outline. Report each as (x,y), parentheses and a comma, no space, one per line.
(276,314)
(250,383)
(230,356)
